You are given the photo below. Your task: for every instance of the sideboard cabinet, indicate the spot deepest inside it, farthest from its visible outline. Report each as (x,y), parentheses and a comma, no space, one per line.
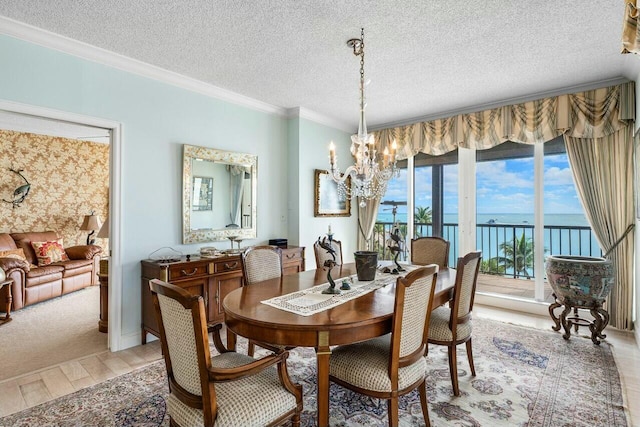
(211,278)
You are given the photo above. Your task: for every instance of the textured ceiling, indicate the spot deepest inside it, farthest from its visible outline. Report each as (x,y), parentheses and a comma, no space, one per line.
(424,58)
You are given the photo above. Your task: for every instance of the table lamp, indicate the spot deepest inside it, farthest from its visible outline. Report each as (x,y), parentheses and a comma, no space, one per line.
(90,223)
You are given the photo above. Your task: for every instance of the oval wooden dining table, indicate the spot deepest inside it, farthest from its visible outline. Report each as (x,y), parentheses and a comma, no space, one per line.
(359,319)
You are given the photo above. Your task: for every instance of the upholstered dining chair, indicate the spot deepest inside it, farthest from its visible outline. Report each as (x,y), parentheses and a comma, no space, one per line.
(229,389)
(430,250)
(261,263)
(451,326)
(322,255)
(392,365)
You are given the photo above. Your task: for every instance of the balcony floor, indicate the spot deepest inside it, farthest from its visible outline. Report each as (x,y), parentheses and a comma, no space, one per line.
(519,288)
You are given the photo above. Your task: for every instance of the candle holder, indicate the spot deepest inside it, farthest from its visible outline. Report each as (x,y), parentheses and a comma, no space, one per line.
(330,263)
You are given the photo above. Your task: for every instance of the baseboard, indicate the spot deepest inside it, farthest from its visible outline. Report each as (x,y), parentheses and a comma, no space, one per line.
(515,304)
(133,340)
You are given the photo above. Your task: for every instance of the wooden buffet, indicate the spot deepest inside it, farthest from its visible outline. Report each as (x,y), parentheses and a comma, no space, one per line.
(212,278)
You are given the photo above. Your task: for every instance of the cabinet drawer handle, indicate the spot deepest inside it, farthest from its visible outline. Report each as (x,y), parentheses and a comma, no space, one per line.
(195,270)
(231,266)
(291,256)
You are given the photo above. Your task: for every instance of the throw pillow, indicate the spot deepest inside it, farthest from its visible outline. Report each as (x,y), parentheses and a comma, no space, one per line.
(13,253)
(49,252)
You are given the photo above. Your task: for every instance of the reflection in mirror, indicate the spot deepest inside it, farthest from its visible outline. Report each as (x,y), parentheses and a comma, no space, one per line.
(219,195)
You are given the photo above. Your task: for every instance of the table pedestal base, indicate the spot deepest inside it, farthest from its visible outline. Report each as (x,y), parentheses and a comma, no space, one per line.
(600,316)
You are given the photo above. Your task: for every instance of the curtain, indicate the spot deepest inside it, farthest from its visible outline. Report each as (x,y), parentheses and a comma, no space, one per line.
(236,184)
(366,222)
(603,172)
(630,35)
(600,118)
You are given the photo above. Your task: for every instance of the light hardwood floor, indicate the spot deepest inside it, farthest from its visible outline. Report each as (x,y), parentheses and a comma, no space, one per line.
(47,384)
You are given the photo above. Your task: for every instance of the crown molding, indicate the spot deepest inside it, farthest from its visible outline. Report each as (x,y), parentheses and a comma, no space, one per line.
(509,101)
(96,54)
(307,114)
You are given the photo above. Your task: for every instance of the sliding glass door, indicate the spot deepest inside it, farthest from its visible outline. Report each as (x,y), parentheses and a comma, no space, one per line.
(515,202)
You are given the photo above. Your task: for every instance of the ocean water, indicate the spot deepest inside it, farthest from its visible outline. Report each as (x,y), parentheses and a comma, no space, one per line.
(501,218)
(495,229)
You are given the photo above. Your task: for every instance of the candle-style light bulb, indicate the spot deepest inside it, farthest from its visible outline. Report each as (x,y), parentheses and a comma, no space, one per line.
(332,153)
(394,147)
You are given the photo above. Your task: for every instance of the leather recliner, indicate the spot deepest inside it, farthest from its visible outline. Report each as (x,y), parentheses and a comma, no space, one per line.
(32,283)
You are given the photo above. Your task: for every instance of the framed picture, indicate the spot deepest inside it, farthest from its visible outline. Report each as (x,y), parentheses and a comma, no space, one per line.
(202,193)
(327,200)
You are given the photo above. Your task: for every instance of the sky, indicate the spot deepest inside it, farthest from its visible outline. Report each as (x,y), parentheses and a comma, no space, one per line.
(503,187)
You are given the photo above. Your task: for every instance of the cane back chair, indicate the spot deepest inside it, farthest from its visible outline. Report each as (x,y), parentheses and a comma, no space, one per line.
(452,325)
(229,389)
(392,365)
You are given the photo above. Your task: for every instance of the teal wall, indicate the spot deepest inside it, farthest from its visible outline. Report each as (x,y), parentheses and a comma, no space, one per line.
(313,154)
(157,119)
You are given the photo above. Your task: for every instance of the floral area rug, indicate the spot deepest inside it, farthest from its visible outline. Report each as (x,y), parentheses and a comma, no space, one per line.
(524,377)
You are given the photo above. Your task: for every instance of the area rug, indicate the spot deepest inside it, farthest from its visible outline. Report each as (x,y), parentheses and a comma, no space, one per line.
(525,377)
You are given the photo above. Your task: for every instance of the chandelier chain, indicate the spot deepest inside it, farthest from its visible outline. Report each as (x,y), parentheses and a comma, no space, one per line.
(371,171)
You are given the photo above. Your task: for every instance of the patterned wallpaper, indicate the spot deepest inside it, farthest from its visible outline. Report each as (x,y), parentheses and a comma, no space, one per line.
(69,179)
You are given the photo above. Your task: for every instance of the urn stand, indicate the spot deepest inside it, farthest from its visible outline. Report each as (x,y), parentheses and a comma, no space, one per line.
(579,283)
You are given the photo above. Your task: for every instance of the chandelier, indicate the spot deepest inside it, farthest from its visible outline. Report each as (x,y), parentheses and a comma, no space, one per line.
(369,176)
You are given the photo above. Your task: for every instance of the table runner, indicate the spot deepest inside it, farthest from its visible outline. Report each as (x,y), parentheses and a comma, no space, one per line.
(311,301)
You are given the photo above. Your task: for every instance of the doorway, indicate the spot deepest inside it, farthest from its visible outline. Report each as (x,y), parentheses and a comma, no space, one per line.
(35,119)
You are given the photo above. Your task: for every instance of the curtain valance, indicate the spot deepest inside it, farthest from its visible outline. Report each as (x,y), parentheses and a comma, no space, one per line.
(590,114)
(630,34)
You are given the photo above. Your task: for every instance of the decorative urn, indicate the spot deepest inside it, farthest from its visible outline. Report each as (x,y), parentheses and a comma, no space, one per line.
(579,283)
(583,281)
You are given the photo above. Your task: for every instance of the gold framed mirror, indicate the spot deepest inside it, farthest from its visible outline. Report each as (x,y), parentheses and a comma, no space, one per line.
(219,193)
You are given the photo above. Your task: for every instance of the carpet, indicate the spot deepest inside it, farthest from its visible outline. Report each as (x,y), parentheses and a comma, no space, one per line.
(52,332)
(525,377)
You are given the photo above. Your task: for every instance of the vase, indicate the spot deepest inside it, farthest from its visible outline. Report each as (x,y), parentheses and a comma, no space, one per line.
(579,283)
(366,264)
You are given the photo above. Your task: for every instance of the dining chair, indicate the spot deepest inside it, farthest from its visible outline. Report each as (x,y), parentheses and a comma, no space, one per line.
(261,263)
(322,255)
(392,365)
(228,389)
(452,325)
(430,250)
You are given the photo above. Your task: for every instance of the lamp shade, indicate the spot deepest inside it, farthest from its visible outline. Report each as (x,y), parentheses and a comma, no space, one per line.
(90,223)
(104,230)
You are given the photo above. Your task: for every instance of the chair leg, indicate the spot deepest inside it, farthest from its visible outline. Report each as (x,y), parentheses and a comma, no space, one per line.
(423,402)
(453,369)
(470,357)
(250,349)
(295,421)
(392,409)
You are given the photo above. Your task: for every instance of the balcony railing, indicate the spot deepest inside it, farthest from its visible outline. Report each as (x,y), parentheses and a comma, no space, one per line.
(501,244)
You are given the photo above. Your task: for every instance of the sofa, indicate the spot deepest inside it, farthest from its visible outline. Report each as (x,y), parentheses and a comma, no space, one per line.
(37,279)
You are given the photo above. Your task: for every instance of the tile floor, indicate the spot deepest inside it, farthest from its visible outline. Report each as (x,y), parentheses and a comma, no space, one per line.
(38,387)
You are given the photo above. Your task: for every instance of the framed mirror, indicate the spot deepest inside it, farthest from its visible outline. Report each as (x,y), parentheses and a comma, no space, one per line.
(218,195)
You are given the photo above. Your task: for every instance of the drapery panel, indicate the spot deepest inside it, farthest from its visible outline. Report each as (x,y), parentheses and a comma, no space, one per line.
(603,172)
(630,34)
(366,222)
(596,117)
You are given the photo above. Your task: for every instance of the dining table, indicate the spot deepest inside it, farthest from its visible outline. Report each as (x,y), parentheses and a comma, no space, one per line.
(365,317)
